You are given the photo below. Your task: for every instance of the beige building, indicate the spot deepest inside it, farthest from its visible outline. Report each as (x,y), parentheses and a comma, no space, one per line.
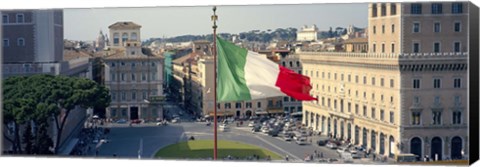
(122,32)
(307,33)
(408,94)
(135,79)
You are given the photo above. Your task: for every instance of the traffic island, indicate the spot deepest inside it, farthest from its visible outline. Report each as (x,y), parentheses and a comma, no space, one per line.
(203,149)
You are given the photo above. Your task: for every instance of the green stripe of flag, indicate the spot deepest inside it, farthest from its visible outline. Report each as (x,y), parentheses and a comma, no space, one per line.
(232,85)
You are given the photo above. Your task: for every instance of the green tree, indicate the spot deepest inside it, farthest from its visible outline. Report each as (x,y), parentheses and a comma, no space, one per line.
(39,98)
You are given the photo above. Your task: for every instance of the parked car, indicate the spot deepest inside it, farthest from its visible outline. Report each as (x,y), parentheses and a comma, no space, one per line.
(175,120)
(251,124)
(301,141)
(341,150)
(287,138)
(265,129)
(136,121)
(256,129)
(356,155)
(331,145)
(122,121)
(322,142)
(273,132)
(224,128)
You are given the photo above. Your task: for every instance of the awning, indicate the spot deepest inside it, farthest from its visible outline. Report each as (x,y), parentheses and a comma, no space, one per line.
(221,114)
(275,111)
(261,112)
(69,147)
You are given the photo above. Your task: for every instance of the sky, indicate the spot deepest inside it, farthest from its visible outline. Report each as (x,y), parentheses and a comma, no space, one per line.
(85,23)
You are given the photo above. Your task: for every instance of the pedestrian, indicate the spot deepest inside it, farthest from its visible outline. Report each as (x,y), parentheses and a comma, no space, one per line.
(321,154)
(286,157)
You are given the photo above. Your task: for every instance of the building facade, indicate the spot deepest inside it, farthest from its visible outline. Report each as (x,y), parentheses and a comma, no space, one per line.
(123,32)
(135,79)
(408,94)
(32,42)
(307,33)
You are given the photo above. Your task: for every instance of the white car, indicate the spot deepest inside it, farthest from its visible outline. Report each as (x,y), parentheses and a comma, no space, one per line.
(265,129)
(224,128)
(301,141)
(175,120)
(251,124)
(331,145)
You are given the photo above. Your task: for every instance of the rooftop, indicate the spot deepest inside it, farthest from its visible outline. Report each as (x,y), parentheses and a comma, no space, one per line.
(124,25)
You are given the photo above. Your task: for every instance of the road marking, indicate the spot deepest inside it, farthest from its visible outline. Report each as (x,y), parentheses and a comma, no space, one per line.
(275,146)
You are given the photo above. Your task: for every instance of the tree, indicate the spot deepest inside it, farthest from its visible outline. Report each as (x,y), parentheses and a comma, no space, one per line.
(39,98)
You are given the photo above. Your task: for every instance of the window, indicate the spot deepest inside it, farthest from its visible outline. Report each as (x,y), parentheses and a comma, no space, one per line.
(298,64)
(134,95)
(285,99)
(6,42)
(124,37)
(113,64)
(416,27)
(365,111)
(383,29)
(436,83)
(436,100)
(393,28)
(416,117)
(457,117)
(124,96)
(356,78)
(323,101)
(383,48)
(392,117)
(116,37)
(218,105)
(382,82)
(416,100)
(373,96)
(416,83)
(20,18)
(382,115)
(456,46)
(457,8)
(317,74)
(436,8)
(456,100)
(436,47)
(4,18)
(341,77)
(391,99)
(227,105)
(259,104)
(356,108)
(393,9)
(384,9)
(436,27)
(393,48)
(349,107)
(112,76)
(248,105)
(373,81)
(381,97)
(364,95)
(374,48)
(364,79)
(457,83)
(283,64)
(144,77)
(416,8)
(291,64)
(374,10)
(114,96)
(374,29)
(457,26)
(349,78)
(323,75)
(123,76)
(416,47)
(328,102)
(329,75)
(133,76)
(437,117)
(335,76)
(122,63)
(144,95)
(238,105)
(133,35)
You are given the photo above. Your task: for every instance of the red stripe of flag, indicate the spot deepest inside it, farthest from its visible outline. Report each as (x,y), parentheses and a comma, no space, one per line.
(294,85)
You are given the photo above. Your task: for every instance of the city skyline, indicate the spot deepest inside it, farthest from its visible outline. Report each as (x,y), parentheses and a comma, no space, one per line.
(85,24)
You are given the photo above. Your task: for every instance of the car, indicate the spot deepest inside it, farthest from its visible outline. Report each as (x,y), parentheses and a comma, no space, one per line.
(104,141)
(251,124)
(136,121)
(273,132)
(322,142)
(256,129)
(356,155)
(301,141)
(331,145)
(175,120)
(287,138)
(265,129)
(341,150)
(122,121)
(224,128)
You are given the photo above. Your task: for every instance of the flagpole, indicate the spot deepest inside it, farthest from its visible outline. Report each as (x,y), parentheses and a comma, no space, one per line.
(214,19)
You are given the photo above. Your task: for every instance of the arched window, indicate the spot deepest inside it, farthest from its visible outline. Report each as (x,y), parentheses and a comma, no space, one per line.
(116,38)
(124,37)
(291,64)
(20,42)
(133,36)
(298,64)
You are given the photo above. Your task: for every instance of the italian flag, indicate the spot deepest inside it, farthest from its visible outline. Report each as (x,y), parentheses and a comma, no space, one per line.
(246,75)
